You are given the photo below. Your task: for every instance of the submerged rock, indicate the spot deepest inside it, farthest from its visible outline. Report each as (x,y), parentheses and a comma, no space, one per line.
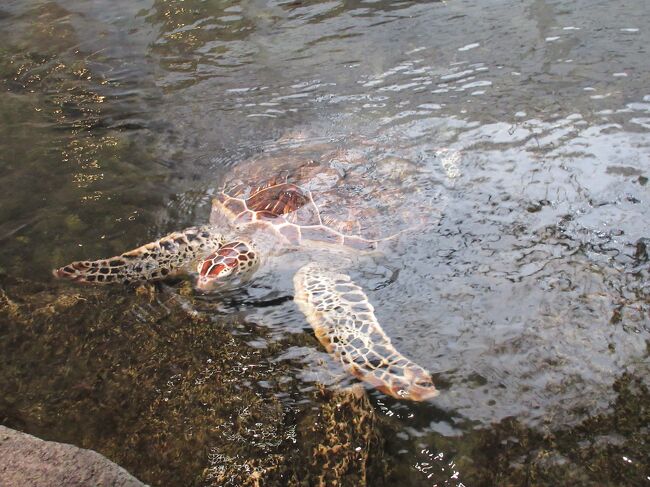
(177,392)
(27,460)
(182,393)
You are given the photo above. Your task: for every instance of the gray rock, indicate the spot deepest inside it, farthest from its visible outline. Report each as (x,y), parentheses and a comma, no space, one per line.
(27,461)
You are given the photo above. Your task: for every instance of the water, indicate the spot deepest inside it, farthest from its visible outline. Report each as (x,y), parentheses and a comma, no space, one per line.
(518,131)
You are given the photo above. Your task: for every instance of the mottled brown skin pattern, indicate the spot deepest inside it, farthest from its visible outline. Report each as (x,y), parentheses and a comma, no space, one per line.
(156,260)
(344,322)
(233,259)
(230,255)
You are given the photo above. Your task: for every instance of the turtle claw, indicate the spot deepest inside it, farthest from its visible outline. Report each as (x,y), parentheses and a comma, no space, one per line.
(67,272)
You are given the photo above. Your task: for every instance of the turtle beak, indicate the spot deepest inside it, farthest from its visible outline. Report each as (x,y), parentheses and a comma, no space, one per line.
(209,284)
(206,284)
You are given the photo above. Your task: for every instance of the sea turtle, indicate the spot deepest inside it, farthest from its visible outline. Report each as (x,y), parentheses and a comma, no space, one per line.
(279,221)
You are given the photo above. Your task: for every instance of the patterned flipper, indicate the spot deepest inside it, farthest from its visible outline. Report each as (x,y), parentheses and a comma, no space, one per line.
(346,325)
(155,260)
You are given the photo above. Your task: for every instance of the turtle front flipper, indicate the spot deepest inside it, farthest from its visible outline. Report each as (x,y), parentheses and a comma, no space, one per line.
(346,325)
(153,261)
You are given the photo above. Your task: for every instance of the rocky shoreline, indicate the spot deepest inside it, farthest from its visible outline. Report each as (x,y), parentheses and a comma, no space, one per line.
(29,461)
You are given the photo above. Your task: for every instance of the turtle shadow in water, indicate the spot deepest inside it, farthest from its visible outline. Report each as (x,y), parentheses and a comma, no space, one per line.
(240,299)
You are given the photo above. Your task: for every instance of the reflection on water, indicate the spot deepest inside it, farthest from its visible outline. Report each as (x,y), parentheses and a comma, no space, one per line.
(518,131)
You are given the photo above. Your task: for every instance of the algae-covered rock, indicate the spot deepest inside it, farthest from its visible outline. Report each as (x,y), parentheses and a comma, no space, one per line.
(181,393)
(343,440)
(336,444)
(175,391)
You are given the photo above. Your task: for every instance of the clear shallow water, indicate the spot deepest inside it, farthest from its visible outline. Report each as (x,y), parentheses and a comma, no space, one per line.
(518,129)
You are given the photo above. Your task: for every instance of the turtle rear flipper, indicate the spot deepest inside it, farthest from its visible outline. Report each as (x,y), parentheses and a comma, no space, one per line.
(346,325)
(156,260)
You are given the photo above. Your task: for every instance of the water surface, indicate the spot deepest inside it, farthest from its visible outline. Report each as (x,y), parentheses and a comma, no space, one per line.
(518,131)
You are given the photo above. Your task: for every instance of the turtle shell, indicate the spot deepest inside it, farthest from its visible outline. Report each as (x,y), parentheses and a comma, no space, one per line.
(273,203)
(287,208)
(276,200)
(340,184)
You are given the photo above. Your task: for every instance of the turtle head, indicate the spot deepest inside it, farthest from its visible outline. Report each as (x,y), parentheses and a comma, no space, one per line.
(229,266)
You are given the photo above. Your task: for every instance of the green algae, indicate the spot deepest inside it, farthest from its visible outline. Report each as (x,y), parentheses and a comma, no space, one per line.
(181,397)
(175,396)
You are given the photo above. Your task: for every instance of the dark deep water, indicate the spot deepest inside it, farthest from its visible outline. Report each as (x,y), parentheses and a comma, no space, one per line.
(519,129)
